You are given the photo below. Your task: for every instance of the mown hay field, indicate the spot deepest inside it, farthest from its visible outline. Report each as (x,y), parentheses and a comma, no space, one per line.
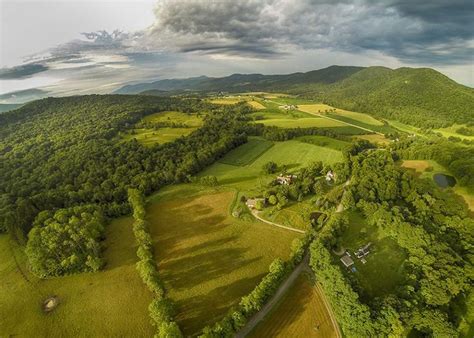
(324,108)
(112,302)
(207,258)
(301,313)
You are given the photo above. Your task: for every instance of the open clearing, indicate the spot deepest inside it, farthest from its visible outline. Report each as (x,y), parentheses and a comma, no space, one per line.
(301,313)
(324,108)
(112,302)
(293,154)
(419,166)
(324,141)
(383,271)
(452,131)
(257,105)
(247,153)
(374,138)
(227,100)
(207,258)
(302,123)
(152,136)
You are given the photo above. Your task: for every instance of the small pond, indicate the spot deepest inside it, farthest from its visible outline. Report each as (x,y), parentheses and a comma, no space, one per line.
(444,181)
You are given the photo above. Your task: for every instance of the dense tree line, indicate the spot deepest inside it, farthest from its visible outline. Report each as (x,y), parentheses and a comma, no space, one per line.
(250,304)
(61,153)
(66,241)
(433,229)
(161,308)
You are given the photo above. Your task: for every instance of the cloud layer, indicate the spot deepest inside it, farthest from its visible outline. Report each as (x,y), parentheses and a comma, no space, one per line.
(202,34)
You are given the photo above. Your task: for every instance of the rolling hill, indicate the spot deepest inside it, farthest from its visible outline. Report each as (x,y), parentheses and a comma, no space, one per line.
(418,96)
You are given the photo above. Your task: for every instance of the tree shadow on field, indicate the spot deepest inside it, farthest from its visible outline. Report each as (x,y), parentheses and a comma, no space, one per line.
(191,271)
(197,312)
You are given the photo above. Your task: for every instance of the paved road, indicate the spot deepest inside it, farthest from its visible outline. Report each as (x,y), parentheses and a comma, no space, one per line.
(258,317)
(255,214)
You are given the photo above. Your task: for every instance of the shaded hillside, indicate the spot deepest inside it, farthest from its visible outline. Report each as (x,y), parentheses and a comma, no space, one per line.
(423,97)
(244,82)
(418,96)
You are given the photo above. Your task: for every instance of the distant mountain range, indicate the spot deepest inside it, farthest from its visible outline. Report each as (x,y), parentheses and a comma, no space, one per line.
(419,96)
(22,96)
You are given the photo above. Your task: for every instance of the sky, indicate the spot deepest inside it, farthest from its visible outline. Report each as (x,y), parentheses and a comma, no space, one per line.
(74,47)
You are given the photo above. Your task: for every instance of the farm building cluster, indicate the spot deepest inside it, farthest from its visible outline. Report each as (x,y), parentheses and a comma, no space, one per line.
(361,253)
(288,107)
(286,179)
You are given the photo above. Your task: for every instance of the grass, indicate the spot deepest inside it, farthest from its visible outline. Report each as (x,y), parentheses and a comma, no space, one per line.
(295,215)
(451,131)
(405,127)
(419,166)
(301,313)
(256,105)
(302,122)
(112,302)
(374,138)
(207,258)
(293,154)
(247,153)
(324,109)
(324,141)
(383,271)
(227,100)
(150,137)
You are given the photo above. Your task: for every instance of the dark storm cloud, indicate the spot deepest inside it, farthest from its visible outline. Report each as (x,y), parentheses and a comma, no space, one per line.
(414,31)
(22,71)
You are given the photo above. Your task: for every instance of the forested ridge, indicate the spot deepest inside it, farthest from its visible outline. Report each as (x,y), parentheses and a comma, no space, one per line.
(418,96)
(64,153)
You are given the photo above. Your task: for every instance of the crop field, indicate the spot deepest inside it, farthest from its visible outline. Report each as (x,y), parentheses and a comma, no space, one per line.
(227,100)
(256,105)
(324,108)
(150,137)
(302,122)
(452,131)
(113,302)
(247,153)
(301,313)
(207,258)
(383,271)
(292,154)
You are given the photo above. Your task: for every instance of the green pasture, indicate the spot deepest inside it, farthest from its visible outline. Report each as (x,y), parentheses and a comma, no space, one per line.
(247,153)
(291,154)
(112,302)
(207,258)
(150,136)
(451,131)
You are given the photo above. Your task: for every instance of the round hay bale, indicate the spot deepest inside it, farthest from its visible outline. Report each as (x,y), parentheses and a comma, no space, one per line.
(50,303)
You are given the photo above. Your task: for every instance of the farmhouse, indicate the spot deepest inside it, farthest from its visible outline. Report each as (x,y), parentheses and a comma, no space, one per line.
(364,251)
(347,261)
(285,179)
(252,202)
(288,107)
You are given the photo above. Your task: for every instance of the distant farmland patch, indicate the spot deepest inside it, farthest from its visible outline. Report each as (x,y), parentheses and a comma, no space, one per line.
(247,153)
(324,108)
(309,122)
(256,105)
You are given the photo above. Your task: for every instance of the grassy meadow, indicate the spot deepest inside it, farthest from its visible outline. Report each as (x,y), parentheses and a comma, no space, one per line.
(325,109)
(248,152)
(151,136)
(452,131)
(292,154)
(301,313)
(113,302)
(302,122)
(207,258)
